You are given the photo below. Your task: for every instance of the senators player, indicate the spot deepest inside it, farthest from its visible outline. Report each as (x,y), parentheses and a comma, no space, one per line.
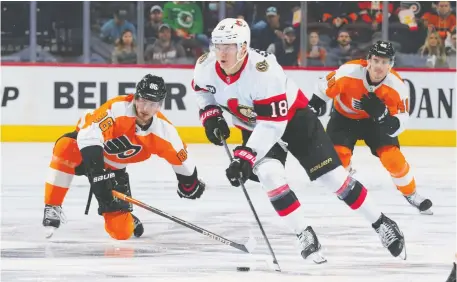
(126,129)
(371,104)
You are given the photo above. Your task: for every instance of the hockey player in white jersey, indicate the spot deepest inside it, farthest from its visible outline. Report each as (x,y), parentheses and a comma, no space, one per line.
(272,113)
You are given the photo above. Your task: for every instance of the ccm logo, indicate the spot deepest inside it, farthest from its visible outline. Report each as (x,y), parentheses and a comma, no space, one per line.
(104,177)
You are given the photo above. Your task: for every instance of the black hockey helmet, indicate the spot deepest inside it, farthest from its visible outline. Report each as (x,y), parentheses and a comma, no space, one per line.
(151,88)
(383,49)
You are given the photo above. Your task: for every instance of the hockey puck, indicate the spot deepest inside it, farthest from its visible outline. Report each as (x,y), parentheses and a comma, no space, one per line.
(243,268)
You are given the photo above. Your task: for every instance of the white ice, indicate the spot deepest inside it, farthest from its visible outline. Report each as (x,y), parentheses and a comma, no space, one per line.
(81,250)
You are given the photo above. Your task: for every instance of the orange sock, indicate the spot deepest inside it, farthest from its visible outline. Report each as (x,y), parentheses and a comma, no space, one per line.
(345,155)
(119,225)
(395,163)
(65,157)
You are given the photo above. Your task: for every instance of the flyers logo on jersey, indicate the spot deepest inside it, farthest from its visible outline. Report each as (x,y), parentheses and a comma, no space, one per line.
(122,147)
(242,112)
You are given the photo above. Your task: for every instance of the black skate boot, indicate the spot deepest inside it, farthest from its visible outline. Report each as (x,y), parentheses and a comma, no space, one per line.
(391,236)
(53,216)
(310,245)
(452,275)
(138,231)
(419,202)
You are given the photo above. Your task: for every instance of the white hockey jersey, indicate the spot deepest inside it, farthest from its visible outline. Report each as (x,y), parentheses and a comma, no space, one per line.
(259,96)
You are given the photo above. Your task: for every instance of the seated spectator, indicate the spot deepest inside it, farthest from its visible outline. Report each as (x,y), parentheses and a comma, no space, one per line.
(450,52)
(151,29)
(344,51)
(335,13)
(442,20)
(164,50)
(125,51)
(433,51)
(371,13)
(315,54)
(186,19)
(113,28)
(272,32)
(286,50)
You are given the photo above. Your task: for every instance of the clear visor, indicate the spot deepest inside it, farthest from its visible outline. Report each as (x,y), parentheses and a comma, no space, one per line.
(231,48)
(148,105)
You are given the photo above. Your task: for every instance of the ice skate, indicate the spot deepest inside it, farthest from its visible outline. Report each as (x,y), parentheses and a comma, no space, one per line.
(53,217)
(138,230)
(452,277)
(391,236)
(310,245)
(419,202)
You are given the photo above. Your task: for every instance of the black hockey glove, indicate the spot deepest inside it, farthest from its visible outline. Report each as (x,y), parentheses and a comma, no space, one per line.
(379,112)
(317,105)
(213,121)
(241,165)
(190,187)
(374,107)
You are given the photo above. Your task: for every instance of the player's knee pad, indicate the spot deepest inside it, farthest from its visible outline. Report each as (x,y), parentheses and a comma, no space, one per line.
(66,155)
(334,179)
(272,176)
(392,158)
(271,173)
(345,154)
(119,225)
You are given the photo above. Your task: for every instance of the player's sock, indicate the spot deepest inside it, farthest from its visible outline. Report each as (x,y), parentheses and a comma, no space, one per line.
(356,196)
(395,163)
(54,195)
(288,207)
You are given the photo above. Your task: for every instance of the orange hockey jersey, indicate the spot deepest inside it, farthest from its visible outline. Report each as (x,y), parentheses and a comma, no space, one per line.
(113,126)
(347,85)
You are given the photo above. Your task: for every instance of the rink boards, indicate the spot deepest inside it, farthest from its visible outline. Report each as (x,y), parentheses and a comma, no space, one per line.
(41,102)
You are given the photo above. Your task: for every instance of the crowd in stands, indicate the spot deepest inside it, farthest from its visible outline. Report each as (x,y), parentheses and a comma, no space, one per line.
(423,33)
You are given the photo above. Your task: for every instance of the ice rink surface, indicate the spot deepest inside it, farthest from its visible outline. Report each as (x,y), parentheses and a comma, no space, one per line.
(81,250)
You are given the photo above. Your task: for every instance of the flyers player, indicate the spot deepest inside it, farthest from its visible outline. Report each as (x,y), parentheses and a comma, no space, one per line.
(274,119)
(126,129)
(371,103)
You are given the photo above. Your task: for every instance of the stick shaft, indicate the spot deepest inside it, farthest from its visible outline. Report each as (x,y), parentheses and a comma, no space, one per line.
(229,154)
(181,222)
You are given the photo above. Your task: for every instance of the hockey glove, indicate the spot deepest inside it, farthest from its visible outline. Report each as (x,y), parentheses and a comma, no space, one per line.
(378,111)
(215,124)
(374,107)
(190,187)
(241,165)
(317,105)
(102,183)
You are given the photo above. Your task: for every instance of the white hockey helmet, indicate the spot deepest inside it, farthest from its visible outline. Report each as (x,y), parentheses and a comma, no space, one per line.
(232,31)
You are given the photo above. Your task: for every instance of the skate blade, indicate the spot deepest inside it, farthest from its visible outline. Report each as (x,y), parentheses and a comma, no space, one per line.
(49,231)
(317,258)
(426,212)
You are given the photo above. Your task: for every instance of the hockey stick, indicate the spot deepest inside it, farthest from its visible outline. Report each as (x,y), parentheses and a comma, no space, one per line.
(247,248)
(89,199)
(275,261)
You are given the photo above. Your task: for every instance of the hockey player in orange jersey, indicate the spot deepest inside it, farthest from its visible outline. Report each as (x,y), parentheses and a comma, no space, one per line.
(126,129)
(371,103)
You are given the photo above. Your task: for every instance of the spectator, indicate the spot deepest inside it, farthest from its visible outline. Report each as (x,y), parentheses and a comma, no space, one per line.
(125,51)
(315,54)
(272,32)
(433,51)
(441,20)
(286,50)
(112,29)
(343,52)
(151,29)
(450,52)
(335,13)
(164,50)
(186,19)
(371,13)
